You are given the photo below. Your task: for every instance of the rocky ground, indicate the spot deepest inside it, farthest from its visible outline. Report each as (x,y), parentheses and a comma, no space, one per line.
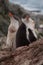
(26,55)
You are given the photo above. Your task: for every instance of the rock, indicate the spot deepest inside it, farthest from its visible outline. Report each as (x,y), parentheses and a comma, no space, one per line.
(1,34)
(25,55)
(3,45)
(2,42)
(4,23)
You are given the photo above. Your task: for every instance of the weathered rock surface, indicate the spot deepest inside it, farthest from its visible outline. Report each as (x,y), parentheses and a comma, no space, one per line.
(4,23)
(2,42)
(26,55)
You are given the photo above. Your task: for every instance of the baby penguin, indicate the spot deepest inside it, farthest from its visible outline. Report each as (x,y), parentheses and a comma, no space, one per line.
(12,29)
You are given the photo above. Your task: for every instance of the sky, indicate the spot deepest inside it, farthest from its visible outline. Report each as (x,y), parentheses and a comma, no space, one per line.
(30,4)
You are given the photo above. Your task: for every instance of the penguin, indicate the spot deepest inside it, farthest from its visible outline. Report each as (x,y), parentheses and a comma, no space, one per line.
(26,34)
(12,30)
